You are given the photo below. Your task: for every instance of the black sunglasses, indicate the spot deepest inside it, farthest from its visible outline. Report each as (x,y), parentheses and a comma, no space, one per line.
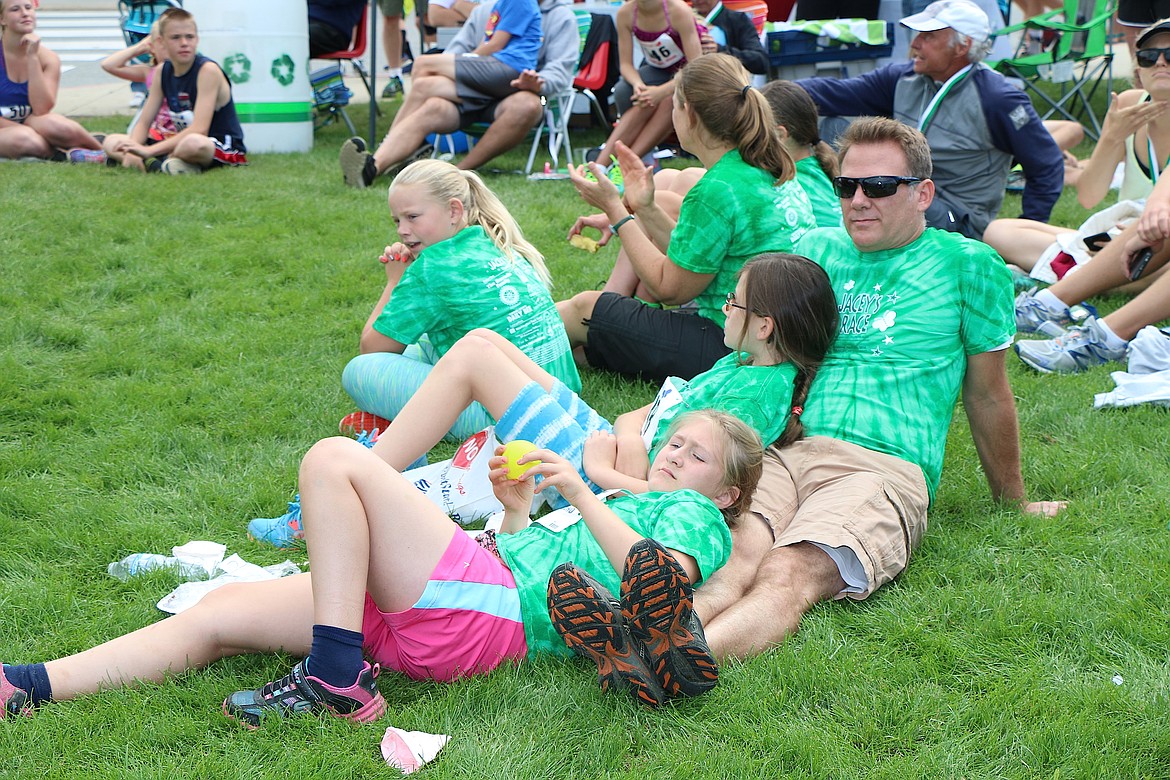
(871,186)
(1148,58)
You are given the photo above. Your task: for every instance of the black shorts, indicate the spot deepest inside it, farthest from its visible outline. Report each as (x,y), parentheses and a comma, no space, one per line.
(1142,13)
(631,338)
(481,83)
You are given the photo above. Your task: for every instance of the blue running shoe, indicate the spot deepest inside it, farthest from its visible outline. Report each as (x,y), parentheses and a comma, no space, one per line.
(283,531)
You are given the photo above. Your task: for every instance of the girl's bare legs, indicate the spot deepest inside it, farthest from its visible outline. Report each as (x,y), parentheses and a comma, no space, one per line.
(1104,272)
(628,128)
(1020,242)
(367,528)
(1149,307)
(655,129)
(482,366)
(253,617)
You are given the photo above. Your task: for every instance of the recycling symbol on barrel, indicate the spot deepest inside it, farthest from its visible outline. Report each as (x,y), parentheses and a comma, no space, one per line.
(283,70)
(238,68)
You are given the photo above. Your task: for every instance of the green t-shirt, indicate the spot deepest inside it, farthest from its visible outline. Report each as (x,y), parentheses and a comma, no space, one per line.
(815,182)
(682,520)
(466,282)
(910,317)
(731,215)
(760,396)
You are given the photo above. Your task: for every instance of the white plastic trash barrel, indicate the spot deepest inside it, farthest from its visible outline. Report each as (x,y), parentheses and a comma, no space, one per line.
(263,47)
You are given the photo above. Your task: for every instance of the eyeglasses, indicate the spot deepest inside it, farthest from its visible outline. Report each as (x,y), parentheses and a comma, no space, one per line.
(730,301)
(1148,58)
(871,186)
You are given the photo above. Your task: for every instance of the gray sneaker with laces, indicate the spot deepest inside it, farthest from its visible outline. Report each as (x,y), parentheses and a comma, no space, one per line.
(1032,315)
(1080,348)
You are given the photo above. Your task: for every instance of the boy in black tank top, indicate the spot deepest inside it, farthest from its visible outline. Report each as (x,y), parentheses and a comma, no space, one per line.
(199,97)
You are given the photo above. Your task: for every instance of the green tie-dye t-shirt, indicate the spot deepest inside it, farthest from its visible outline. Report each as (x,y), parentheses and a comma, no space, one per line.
(910,317)
(732,214)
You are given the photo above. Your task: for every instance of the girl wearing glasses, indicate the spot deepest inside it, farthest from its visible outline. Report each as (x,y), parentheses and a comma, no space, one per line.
(780,320)
(1136,133)
(29,77)
(748,202)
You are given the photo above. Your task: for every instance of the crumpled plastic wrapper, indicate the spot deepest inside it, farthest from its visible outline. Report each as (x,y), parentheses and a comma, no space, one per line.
(409,750)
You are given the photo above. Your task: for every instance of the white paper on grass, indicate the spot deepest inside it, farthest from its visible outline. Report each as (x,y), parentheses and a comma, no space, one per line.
(409,750)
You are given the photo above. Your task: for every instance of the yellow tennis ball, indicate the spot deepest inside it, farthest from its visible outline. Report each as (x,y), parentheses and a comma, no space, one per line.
(513,451)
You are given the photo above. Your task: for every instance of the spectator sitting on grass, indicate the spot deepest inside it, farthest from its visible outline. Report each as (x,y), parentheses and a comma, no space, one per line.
(1136,127)
(199,98)
(747,203)
(925,314)
(30,75)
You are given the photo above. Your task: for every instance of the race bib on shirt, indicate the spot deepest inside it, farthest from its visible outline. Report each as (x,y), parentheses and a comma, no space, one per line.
(662,52)
(668,397)
(16,113)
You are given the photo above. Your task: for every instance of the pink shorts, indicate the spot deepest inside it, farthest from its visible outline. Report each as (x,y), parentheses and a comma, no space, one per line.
(466,622)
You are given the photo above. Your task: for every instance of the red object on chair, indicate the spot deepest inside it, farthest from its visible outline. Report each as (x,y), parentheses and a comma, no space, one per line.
(354,54)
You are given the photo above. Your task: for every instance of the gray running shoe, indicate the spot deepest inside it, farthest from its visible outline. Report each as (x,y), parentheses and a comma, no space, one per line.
(1031,314)
(1080,348)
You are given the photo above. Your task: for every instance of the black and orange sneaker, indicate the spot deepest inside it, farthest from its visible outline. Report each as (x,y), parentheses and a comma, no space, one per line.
(589,619)
(299,692)
(657,604)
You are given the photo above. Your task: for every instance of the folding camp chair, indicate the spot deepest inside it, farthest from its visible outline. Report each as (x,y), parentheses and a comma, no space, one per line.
(135,17)
(1074,66)
(354,54)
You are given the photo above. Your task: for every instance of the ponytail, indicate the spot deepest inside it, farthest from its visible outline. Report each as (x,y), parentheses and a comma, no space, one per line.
(793,109)
(487,210)
(717,89)
(794,430)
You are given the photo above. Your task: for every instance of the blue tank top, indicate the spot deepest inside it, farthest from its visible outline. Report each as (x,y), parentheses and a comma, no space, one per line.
(181,92)
(14,103)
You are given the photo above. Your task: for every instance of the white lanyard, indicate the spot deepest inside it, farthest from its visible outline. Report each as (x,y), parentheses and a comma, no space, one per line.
(936,101)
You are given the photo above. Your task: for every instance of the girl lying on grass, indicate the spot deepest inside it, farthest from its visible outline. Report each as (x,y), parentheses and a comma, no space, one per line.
(461,263)
(394,578)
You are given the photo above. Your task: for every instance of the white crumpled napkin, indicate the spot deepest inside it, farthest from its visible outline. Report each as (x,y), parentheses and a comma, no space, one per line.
(231,569)
(409,750)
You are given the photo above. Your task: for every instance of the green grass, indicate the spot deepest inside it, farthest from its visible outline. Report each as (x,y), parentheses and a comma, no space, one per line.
(172,346)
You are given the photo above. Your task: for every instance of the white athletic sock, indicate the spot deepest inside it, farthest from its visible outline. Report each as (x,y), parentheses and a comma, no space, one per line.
(392,72)
(1112,340)
(1050,301)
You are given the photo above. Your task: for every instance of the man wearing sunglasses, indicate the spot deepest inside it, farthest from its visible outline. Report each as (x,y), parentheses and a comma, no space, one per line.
(925,314)
(975,121)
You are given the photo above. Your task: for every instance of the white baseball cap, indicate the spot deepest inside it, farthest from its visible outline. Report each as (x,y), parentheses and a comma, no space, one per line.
(962,16)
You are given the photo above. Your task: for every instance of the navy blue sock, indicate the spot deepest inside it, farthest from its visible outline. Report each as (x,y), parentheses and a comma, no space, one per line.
(33,679)
(336,655)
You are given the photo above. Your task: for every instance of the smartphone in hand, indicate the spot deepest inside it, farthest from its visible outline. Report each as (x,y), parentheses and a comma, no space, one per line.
(1137,266)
